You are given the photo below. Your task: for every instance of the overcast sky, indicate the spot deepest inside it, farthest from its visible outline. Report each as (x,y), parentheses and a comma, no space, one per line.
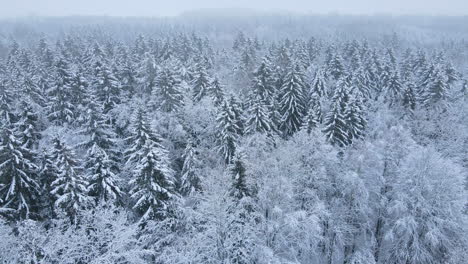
(11,8)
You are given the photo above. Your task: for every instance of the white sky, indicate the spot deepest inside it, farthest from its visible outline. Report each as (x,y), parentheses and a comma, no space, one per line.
(12,8)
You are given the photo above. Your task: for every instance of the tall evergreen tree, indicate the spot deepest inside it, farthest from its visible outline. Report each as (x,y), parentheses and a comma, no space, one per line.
(258,119)
(200,83)
(28,126)
(335,120)
(19,187)
(436,90)
(292,101)
(318,85)
(106,88)
(191,182)
(152,184)
(355,119)
(60,107)
(216,92)
(335,67)
(168,95)
(70,187)
(227,131)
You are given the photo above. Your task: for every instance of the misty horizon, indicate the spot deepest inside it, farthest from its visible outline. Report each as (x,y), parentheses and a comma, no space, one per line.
(146,8)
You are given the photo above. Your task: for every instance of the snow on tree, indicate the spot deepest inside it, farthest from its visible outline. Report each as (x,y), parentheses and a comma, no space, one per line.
(7,115)
(200,83)
(409,96)
(227,131)
(60,107)
(335,67)
(152,185)
(258,119)
(29,126)
(216,92)
(425,224)
(19,187)
(318,85)
(70,187)
(355,119)
(393,90)
(167,94)
(190,180)
(436,91)
(314,115)
(335,123)
(292,101)
(106,88)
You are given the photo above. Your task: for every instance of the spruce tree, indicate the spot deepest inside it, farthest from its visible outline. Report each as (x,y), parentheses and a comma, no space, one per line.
(106,88)
(314,115)
(70,187)
(19,187)
(168,95)
(437,88)
(292,101)
(7,115)
(216,92)
(227,132)
(355,119)
(239,187)
(318,85)
(28,126)
(409,96)
(152,185)
(335,67)
(200,83)
(335,120)
(258,119)
(60,107)
(103,181)
(394,88)
(191,182)
(101,162)
(263,82)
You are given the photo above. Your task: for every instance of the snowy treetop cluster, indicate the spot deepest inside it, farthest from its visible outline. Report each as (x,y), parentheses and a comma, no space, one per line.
(265,139)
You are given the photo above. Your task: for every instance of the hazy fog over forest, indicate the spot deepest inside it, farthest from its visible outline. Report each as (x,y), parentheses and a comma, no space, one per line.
(233,132)
(176,7)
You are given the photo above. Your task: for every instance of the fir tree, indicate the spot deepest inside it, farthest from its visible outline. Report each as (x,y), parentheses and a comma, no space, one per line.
(314,115)
(258,119)
(335,67)
(355,119)
(437,89)
(152,184)
(141,135)
(29,127)
(60,108)
(409,96)
(227,132)
(106,88)
(6,100)
(19,188)
(191,182)
(393,90)
(318,85)
(167,93)
(103,181)
(263,82)
(237,170)
(335,120)
(292,101)
(70,187)
(216,92)
(200,83)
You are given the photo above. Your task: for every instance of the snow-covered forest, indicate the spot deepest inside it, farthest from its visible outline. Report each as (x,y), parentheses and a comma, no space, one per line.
(223,139)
